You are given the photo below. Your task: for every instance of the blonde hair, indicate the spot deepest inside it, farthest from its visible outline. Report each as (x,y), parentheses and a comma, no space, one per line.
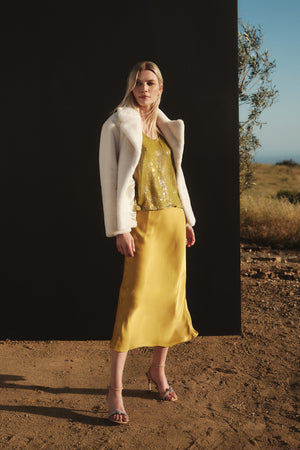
(129,99)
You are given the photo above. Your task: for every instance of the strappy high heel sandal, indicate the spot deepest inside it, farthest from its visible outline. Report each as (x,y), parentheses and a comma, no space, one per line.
(168,390)
(117,411)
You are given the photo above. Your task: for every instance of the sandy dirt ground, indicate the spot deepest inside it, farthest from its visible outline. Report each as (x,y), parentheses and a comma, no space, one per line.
(235,392)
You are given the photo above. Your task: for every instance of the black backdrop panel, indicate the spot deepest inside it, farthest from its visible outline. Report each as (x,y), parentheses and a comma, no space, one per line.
(65,71)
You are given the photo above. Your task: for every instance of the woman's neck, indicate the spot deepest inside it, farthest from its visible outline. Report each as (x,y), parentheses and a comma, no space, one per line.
(147,132)
(144,112)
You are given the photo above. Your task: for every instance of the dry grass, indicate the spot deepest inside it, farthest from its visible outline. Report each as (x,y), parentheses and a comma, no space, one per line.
(269,221)
(266,220)
(270,178)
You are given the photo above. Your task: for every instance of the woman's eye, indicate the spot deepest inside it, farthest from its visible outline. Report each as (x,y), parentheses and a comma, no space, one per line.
(150,83)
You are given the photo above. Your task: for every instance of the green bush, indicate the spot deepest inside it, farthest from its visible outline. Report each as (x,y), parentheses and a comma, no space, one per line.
(292,196)
(287,162)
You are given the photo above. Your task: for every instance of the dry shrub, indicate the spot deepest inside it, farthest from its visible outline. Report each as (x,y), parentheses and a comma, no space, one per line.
(269,221)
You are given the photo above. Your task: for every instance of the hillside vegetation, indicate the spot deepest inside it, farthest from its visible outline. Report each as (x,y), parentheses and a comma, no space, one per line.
(270,178)
(265,219)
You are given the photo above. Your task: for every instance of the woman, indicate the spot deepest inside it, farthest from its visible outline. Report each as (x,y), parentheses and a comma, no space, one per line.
(147,208)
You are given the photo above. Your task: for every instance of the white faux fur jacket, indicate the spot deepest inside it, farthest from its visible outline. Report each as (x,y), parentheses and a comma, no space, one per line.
(119,153)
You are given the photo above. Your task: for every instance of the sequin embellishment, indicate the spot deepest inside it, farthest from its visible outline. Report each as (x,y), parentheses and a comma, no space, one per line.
(155,179)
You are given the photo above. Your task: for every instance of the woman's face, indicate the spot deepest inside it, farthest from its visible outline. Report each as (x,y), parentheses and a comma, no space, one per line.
(147,88)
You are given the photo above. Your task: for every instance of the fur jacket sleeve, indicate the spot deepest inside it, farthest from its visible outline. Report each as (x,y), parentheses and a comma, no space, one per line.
(119,154)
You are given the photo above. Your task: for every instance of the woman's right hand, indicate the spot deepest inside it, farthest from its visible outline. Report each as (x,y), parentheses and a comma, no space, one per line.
(125,244)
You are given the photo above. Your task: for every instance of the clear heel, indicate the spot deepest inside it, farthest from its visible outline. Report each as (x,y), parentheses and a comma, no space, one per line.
(149,379)
(172,398)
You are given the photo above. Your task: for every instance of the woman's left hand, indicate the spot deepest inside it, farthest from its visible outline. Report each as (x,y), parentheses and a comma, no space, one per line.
(190,236)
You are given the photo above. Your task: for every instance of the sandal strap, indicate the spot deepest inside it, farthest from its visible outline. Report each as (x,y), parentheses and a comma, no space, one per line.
(115,388)
(167,392)
(118,411)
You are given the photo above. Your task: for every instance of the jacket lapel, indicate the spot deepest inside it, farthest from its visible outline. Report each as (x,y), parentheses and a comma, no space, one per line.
(131,126)
(173,130)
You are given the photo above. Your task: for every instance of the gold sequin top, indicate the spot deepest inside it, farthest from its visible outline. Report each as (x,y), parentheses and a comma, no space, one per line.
(155,179)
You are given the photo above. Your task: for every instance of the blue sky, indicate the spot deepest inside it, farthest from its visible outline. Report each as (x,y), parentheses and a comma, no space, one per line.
(280,22)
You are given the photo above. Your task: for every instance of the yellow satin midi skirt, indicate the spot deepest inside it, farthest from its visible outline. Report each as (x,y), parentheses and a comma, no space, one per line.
(152,308)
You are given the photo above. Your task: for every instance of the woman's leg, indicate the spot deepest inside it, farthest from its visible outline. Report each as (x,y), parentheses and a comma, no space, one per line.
(114,398)
(157,371)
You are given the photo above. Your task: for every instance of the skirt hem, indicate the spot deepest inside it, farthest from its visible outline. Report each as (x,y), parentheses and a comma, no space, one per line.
(116,349)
